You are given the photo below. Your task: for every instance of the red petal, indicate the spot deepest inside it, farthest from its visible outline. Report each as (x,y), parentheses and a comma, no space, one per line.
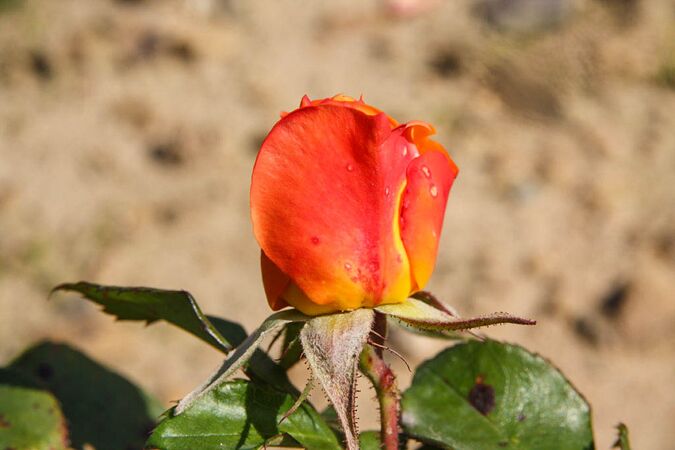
(274,281)
(344,100)
(324,201)
(429,180)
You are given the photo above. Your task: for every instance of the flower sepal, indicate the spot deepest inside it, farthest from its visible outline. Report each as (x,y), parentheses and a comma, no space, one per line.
(423,312)
(333,344)
(241,355)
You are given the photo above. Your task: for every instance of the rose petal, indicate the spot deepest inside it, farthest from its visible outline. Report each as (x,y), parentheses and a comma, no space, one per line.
(429,180)
(344,100)
(274,281)
(325,200)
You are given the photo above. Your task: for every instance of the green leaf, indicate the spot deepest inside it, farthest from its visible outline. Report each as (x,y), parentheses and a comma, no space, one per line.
(489,395)
(242,415)
(30,417)
(102,408)
(370,440)
(150,305)
(291,349)
(622,441)
(180,309)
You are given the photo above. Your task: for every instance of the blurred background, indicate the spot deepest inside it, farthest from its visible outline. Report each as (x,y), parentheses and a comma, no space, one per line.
(128,131)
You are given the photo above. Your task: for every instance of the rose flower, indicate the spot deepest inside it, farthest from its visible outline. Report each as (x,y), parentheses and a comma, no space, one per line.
(347,206)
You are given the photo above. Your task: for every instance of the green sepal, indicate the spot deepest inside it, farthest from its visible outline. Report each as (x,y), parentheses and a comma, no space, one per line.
(242,354)
(332,345)
(421,315)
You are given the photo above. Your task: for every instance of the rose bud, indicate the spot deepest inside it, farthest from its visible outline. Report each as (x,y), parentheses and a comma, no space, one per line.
(347,206)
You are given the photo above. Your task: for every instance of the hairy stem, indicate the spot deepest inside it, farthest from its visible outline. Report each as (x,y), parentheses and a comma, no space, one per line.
(380,374)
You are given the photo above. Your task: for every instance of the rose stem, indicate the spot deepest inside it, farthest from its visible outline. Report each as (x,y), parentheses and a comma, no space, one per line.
(380,374)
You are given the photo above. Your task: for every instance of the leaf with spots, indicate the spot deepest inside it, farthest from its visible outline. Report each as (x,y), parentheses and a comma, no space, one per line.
(30,416)
(490,395)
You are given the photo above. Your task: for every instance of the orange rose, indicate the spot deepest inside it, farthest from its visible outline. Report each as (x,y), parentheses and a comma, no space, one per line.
(347,206)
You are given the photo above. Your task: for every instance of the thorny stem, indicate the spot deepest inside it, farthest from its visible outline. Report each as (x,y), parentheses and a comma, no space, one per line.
(380,374)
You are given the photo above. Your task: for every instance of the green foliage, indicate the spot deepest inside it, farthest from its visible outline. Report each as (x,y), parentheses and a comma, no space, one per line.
(150,305)
(242,415)
(180,309)
(102,408)
(487,395)
(370,440)
(30,417)
(473,396)
(291,349)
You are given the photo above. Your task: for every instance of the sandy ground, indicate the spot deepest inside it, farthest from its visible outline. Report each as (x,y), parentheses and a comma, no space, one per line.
(128,130)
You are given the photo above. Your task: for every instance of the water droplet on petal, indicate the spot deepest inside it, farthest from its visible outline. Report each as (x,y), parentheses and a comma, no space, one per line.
(433,190)
(386,192)
(426,171)
(348,267)
(315,240)
(350,168)
(404,150)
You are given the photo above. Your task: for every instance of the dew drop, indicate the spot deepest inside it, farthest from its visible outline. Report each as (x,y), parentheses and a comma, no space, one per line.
(433,190)
(315,240)
(350,168)
(386,192)
(348,267)
(404,151)
(426,171)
